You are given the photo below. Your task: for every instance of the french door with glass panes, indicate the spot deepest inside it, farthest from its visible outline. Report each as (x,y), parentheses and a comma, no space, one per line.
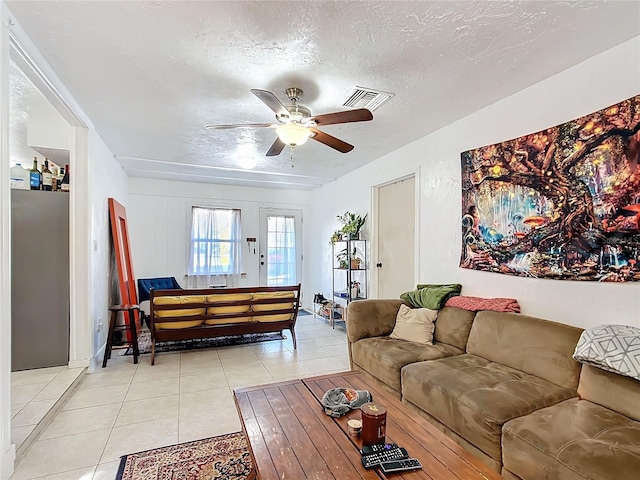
(280,247)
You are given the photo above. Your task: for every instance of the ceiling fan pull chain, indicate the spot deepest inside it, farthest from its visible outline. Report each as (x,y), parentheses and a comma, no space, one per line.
(292,146)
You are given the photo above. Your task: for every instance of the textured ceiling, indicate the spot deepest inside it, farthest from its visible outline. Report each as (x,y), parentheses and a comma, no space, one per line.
(22,95)
(151,75)
(25,100)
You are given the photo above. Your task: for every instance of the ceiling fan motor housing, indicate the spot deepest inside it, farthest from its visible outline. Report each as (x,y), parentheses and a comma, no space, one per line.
(293,93)
(297,113)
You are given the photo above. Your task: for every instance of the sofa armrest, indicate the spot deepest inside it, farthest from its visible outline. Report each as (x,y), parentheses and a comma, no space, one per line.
(371,318)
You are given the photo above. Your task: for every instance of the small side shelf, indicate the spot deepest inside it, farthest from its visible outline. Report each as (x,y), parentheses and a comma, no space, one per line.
(332,313)
(349,269)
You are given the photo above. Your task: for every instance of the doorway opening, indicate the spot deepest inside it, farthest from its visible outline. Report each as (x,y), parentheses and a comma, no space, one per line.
(40,151)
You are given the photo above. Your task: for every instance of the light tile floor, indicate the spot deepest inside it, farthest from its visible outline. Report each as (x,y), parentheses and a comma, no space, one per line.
(33,393)
(127,408)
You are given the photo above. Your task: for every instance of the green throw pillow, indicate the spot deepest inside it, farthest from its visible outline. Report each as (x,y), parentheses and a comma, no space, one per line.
(431,296)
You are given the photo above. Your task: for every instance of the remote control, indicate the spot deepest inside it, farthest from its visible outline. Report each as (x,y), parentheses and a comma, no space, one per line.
(375,459)
(369,449)
(401,465)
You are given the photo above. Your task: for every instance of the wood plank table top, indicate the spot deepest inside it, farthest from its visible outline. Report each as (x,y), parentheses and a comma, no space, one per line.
(290,436)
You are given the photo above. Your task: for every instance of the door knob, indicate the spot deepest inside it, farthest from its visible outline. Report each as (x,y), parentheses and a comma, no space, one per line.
(378,265)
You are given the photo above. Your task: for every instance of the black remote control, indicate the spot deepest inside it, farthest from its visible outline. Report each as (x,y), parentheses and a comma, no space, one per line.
(375,459)
(401,465)
(369,449)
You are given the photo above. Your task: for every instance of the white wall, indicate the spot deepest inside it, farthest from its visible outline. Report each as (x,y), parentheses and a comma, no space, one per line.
(108,179)
(603,80)
(7,449)
(46,127)
(159,218)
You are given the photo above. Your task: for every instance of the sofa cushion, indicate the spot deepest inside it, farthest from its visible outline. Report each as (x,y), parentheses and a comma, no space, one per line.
(475,397)
(227,321)
(384,357)
(616,392)
(178,325)
(453,326)
(414,325)
(229,297)
(186,312)
(180,300)
(513,340)
(575,439)
(263,307)
(371,318)
(266,307)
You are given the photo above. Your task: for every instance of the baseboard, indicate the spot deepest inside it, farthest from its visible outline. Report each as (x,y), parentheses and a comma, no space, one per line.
(46,420)
(7,463)
(96,359)
(79,363)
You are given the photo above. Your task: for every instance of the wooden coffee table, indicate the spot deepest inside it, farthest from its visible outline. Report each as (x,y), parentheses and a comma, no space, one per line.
(290,436)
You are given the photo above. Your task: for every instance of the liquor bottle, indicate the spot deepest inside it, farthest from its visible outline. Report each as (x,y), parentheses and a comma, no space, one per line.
(59,178)
(54,179)
(47,176)
(65,180)
(34,175)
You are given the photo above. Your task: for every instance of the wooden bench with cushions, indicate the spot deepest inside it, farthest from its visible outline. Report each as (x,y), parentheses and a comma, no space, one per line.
(216,312)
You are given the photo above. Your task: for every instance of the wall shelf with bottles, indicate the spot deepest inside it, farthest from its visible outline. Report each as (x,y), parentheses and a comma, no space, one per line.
(349,271)
(47,176)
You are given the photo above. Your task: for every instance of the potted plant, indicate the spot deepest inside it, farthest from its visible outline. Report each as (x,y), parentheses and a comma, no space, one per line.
(351,224)
(336,237)
(355,260)
(342,259)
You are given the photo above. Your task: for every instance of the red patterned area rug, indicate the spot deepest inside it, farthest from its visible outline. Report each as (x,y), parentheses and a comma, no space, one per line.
(223,457)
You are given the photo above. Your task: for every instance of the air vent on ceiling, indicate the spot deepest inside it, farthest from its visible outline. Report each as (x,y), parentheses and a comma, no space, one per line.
(363,97)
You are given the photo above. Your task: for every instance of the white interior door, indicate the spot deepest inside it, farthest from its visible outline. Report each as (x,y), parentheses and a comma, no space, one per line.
(280,247)
(395,262)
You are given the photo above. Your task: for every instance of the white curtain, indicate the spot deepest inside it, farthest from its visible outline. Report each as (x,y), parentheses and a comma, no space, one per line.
(215,251)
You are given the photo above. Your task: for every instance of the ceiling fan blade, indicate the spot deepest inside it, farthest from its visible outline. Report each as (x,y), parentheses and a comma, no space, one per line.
(330,141)
(358,115)
(271,101)
(229,126)
(276,148)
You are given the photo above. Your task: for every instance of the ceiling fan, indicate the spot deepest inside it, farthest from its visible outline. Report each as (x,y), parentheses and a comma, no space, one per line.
(295,124)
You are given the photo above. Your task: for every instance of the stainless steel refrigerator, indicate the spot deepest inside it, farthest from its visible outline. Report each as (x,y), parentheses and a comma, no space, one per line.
(39,279)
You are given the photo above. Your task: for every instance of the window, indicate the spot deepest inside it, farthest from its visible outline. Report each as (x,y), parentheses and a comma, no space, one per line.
(215,242)
(281,251)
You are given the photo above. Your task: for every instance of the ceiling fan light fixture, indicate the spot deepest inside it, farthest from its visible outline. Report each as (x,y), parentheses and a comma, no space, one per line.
(293,133)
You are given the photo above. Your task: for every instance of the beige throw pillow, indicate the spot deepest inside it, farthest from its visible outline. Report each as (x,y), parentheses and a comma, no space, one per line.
(415,325)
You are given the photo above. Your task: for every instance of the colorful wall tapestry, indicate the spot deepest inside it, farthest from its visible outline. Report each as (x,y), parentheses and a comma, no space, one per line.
(562,203)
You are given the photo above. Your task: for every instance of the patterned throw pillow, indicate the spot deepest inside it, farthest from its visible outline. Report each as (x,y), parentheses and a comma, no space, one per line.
(615,348)
(415,325)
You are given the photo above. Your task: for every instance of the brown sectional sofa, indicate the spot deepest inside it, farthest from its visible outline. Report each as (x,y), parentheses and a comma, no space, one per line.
(505,387)
(593,436)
